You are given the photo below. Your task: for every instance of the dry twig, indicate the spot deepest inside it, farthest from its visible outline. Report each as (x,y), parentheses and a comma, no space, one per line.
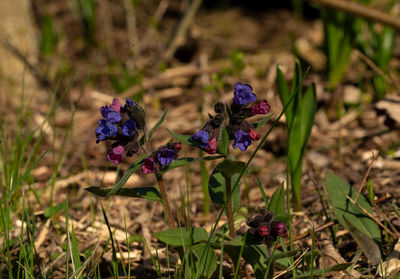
(361,10)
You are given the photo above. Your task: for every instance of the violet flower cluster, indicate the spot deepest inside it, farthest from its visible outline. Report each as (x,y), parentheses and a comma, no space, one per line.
(240,130)
(243,107)
(208,136)
(264,228)
(160,158)
(121,124)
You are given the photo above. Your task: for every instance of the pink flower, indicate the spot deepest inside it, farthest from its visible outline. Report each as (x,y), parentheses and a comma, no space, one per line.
(149,165)
(116,105)
(254,135)
(263,230)
(261,108)
(116,155)
(211,148)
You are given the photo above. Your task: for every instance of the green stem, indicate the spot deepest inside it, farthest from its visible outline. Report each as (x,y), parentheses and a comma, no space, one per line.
(160,182)
(231,222)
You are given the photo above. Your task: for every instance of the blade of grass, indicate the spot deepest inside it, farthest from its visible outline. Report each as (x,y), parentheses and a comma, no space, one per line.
(114,253)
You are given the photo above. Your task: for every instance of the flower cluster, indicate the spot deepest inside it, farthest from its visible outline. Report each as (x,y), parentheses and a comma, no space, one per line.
(121,124)
(264,228)
(241,108)
(162,157)
(240,130)
(208,136)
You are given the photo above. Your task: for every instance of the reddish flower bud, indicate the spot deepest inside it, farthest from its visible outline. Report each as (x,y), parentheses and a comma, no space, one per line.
(211,148)
(254,135)
(177,146)
(263,230)
(116,105)
(261,108)
(280,229)
(116,155)
(148,165)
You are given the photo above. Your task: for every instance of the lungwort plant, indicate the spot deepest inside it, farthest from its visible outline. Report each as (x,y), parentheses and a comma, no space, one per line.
(231,125)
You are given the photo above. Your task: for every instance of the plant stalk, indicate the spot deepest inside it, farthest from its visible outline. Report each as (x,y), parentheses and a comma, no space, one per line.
(231,222)
(160,182)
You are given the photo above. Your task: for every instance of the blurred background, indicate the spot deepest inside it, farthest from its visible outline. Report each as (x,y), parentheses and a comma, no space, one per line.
(60,60)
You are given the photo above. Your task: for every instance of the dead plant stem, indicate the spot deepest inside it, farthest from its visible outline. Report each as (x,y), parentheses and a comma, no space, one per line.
(371,216)
(361,10)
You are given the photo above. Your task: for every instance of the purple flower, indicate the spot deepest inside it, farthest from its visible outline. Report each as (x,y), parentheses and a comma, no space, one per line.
(129,128)
(116,105)
(116,155)
(165,156)
(149,165)
(129,103)
(105,130)
(242,140)
(261,108)
(201,137)
(110,115)
(243,94)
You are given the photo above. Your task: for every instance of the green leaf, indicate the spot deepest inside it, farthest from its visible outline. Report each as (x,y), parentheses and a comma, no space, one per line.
(183,138)
(284,95)
(264,196)
(132,168)
(371,194)
(217,182)
(223,143)
(158,124)
(229,167)
(50,211)
(75,251)
(182,236)
(255,255)
(261,123)
(338,189)
(178,163)
(277,203)
(148,193)
(187,161)
(206,260)
(307,113)
(367,245)
(114,253)
(319,272)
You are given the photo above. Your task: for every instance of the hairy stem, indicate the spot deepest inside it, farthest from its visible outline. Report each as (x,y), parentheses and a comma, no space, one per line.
(160,182)
(231,224)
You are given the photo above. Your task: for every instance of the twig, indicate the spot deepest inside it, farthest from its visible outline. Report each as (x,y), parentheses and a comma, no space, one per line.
(43,80)
(292,265)
(363,182)
(320,228)
(388,78)
(182,28)
(371,216)
(164,79)
(361,10)
(158,15)
(131,26)
(107,23)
